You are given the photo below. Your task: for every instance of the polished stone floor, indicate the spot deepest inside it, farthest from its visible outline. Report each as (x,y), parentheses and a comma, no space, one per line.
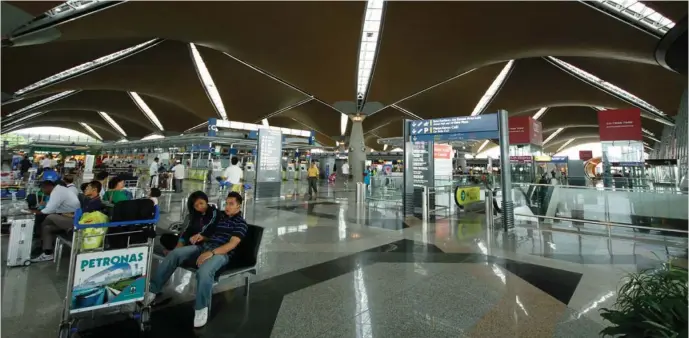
(329,267)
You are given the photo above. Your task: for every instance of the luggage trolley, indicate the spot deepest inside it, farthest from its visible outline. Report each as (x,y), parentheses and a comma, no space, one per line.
(105,278)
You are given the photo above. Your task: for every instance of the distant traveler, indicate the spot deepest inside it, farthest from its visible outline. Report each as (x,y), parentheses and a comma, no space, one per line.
(233,175)
(24,167)
(345,173)
(367,176)
(178,170)
(153,171)
(46,163)
(313,174)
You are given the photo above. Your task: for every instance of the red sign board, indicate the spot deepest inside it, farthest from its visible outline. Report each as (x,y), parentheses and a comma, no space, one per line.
(536,132)
(525,130)
(442,151)
(620,125)
(585,155)
(520,127)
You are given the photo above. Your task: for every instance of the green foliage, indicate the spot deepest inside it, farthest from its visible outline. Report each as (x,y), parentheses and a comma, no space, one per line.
(652,303)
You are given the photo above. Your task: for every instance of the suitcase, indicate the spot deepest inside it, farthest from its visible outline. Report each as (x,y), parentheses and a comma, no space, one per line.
(20,244)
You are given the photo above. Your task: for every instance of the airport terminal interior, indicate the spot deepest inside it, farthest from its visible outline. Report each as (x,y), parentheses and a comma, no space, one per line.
(352,169)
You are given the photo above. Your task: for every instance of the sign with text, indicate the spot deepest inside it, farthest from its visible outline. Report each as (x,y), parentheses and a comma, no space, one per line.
(453,125)
(269,157)
(525,130)
(521,159)
(422,163)
(585,155)
(442,160)
(107,278)
(620,125)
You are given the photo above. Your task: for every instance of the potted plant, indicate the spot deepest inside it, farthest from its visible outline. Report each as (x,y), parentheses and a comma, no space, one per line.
(651,303)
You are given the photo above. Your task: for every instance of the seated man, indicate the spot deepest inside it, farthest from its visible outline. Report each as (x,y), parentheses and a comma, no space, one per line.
(92,201)
(211,249)
(62,201)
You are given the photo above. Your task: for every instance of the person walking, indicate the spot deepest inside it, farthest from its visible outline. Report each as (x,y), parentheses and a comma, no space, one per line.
(24,167)
(233,176)
(345,173)
(153,172)
(178,170)
(313,179)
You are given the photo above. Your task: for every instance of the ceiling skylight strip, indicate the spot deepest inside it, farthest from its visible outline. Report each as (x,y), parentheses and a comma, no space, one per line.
(90,130)
(265,123)
(483,145)
(208,83)
(47,100)
(153,136)
(638,12)
(647,132)
(146,110)
(539,113)
(368,47)
(23,118)
(112,123)
(607,86)
(199,126)
(344,119)
(565,145)
(84,67)
(551,136)
(652,138)
(493,89)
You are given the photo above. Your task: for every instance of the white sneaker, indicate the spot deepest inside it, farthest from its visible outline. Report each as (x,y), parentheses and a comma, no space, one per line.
(200,317)
(43,257)
(149,298)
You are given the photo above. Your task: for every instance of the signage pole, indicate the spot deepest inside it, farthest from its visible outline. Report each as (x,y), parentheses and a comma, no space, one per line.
(505,172)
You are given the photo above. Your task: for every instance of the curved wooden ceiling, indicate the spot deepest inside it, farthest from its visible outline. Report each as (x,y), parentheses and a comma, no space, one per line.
(654,84)
(673,10)
(25,65)
(451,37)
(308,43)
(314,45)
(91,117)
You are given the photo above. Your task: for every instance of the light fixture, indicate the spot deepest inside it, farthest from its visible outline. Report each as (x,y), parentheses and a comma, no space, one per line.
(368,46)
(647,132)
(551,136)
(90,130)
(112,123)
(483,145)
(492,89)
(47,100)
(208,83)
(343,123)
(146,110)
(23,118)
(265,123)
(652,138)
(565,144)
(84,67)
(539,113)
(385,147)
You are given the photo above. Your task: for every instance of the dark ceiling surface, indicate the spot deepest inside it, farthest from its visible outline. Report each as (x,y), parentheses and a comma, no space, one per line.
(314,47)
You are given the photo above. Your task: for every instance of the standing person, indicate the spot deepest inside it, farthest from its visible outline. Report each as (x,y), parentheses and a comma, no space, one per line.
(345,173)
(233,175)
(209,174)
(24,167)
(62,201)
(178,170)
(367,177)
(212,248)
(153,172)
(46,163)
(312,174)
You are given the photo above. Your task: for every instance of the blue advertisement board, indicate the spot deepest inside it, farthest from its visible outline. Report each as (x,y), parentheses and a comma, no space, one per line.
(453,125)
(212,127)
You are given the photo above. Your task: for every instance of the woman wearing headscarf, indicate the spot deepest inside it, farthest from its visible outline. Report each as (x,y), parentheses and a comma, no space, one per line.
(201,216)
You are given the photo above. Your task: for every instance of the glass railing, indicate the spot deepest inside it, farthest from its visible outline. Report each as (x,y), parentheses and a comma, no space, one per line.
(612,210)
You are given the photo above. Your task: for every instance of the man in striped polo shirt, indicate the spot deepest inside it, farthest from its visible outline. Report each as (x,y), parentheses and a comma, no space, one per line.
(212,249)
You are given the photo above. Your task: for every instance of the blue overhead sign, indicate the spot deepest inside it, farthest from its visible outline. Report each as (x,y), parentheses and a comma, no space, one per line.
(479,135)
(453,125)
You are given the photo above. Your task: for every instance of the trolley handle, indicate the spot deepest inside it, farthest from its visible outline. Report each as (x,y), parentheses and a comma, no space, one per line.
(79,213)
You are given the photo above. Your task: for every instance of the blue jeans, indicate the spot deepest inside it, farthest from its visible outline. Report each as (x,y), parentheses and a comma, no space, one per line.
(205,275)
